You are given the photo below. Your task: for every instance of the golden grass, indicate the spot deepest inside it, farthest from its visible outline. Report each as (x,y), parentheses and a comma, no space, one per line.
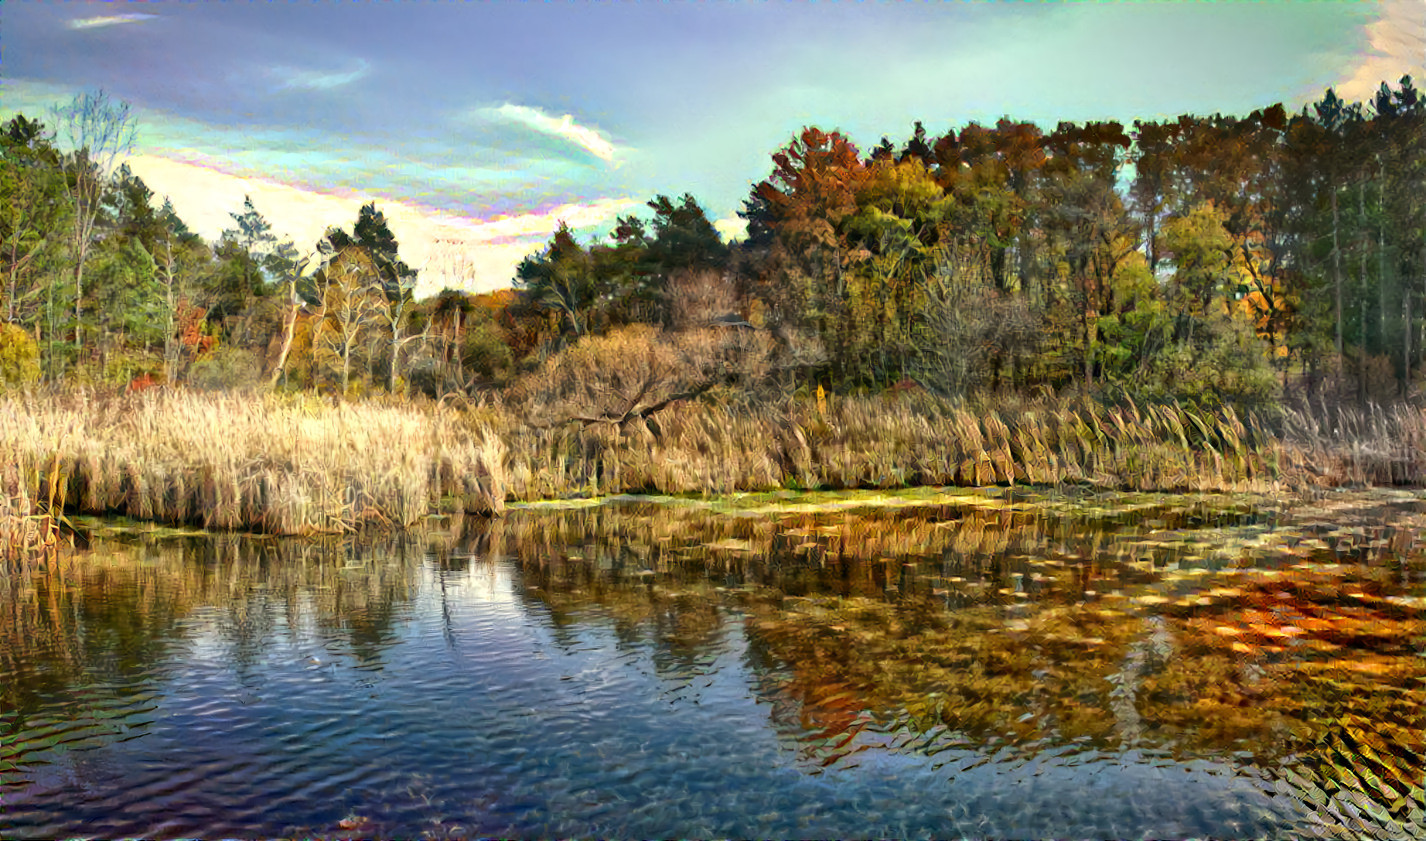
(897,441)
(1348,446)
(31,510)
(298,464)
(264,463)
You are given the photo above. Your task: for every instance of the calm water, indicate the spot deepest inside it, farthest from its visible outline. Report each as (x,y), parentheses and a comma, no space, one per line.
(823,666)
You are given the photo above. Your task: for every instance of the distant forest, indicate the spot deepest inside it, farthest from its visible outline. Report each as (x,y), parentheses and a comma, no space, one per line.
(1212,260)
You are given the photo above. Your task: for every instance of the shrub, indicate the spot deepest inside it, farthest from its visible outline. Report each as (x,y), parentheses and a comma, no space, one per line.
(226,367)
(636,371)
(19,356)
(484,353)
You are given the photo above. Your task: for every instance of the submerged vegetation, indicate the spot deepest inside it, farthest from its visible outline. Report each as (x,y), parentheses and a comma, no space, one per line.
(1012,625)
(1018,623)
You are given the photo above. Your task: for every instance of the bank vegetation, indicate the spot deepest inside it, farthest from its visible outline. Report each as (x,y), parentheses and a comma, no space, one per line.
(293,464)
(1211,302)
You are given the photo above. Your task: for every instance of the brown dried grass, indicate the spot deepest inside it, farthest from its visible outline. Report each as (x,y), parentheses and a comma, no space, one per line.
(31,511)
(264,463)
(298,464)
(1349,446)
(897,440)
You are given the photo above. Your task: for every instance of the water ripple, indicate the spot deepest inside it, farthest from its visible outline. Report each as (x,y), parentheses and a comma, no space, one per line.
(405,699)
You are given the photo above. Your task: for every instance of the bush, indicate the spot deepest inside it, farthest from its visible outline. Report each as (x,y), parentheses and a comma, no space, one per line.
(19,356)
(638,370)
(1227,364)
(484,354)
(225,368)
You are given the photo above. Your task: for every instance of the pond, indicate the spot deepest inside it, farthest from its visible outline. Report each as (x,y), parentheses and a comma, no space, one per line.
(945,663)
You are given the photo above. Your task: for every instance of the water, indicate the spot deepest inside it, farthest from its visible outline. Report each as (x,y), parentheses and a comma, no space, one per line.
(820,666)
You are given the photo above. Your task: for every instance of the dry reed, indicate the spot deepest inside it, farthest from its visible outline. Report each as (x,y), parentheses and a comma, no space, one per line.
(899,441)
(264,463)
(295,464)
(31,510)
(1348,446)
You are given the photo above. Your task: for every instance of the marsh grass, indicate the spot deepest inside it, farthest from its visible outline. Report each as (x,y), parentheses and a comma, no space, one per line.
(32,523)
(1348,446)
(899,441)
(263,463)
(298,464)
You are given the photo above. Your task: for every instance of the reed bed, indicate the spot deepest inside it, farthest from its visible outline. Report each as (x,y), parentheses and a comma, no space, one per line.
(899,441)
(1373,446)
(31,511)
(297,464)
(250,462)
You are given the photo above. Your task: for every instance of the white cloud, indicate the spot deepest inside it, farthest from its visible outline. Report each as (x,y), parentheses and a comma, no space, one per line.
(292,78)
(733,227)
(563,127)
(490,249)
(1398,48)
(99,21)
(544,223)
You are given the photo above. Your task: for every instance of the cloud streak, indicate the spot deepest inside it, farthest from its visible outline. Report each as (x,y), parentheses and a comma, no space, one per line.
(100,21)
(563,127)
(295,79)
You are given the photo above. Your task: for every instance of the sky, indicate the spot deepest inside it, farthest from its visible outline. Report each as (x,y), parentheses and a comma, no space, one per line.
(477,126)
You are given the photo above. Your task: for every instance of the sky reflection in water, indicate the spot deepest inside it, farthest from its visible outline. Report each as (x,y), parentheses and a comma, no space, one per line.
(914,664)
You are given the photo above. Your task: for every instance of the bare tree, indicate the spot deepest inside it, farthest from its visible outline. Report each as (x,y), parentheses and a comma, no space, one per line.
(451,261)
(634,372)
(100,132)
(354,300)
(398,299)
(969,325)
(177,265)
(700,298)
(293,273)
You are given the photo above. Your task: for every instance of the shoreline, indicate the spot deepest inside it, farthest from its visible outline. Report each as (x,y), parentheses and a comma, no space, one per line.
(295,464)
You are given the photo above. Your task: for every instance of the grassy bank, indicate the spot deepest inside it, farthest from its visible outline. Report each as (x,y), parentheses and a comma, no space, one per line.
(911,440)
(231,461)
(885,442)
(295,464)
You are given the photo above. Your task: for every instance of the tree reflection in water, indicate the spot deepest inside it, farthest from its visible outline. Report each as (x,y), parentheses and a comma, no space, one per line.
(1013,624)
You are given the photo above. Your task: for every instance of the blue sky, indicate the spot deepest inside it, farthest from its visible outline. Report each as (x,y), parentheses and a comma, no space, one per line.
(476,126)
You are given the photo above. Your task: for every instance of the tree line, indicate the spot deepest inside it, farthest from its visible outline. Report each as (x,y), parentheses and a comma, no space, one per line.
(1212,259)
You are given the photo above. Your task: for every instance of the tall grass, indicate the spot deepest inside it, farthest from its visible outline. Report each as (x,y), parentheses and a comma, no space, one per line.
(897,441)
(1373,446)
(265,463)
(295,464)
(31,511)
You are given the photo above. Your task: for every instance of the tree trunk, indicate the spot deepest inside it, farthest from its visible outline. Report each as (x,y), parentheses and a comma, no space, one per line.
(82,251)
(289,327)
(346,367)
(1362,355)
(1337,277)
(170,340)
(395,352)
(1381,254)
(460,361)
(1406,343)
